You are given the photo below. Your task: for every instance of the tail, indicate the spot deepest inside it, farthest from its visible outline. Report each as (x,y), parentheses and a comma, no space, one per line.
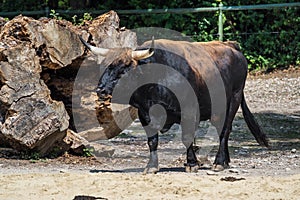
(259,135)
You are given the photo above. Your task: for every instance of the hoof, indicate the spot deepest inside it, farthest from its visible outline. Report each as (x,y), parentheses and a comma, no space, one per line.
(192,169)
(151,170)
(218,168)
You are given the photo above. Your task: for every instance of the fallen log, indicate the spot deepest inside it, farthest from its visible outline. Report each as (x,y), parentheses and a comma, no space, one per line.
(39,63)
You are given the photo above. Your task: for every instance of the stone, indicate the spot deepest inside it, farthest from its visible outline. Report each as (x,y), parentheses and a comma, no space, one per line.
(234,171)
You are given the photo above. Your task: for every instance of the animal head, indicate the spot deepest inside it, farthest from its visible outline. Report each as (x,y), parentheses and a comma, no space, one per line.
(117,62)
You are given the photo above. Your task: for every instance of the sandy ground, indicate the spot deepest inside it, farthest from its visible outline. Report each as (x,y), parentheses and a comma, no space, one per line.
(255,173)
(176,185)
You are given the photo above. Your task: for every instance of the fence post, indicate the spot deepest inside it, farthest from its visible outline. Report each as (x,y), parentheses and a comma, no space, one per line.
(220,24)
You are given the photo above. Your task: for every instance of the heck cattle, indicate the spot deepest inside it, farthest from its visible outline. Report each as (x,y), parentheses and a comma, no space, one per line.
(200,64)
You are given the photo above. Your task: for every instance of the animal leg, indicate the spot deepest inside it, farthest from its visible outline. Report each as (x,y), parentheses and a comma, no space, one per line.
(188,135)
(192,164)
(222,158)
(152,166)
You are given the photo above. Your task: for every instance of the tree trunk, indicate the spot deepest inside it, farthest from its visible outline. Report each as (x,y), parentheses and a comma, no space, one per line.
(41,66)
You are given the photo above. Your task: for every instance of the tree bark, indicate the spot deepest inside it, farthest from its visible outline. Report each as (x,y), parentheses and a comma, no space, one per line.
(39,64)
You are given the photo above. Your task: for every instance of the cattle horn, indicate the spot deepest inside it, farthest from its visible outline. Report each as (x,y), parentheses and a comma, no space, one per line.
(143,54)
(93,49)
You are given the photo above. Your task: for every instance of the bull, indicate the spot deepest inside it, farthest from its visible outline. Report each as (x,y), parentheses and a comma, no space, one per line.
(202,64)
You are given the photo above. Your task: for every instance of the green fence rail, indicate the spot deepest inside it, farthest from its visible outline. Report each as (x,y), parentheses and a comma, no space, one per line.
(218,9)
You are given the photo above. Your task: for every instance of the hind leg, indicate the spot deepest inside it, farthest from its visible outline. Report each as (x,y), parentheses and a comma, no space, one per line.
(222,158)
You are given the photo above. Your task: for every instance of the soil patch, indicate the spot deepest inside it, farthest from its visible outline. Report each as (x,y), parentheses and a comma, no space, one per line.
(255,172)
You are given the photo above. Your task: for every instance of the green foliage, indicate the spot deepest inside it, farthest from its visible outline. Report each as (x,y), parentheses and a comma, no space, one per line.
(74,19)
(269,38)
(32,156)
(63,4)
(81,21)
(86,17)
(19,5)
(88,152)
(55,15)
(35,156)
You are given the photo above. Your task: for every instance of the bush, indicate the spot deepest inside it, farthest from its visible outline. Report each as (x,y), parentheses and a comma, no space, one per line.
(269,38)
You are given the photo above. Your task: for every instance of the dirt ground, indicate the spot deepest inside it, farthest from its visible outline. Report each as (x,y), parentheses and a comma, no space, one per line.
(255,172)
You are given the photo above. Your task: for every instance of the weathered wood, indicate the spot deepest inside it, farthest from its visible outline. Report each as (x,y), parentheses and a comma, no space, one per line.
(80,144)
(107,34)
(107,117)
(2,22)
(39,61)
(32,121)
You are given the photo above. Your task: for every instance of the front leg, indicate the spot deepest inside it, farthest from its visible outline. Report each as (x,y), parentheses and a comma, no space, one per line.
(152,166)
(188,135)
(192,164)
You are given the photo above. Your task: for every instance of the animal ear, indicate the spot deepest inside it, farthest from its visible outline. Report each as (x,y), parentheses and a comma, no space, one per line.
(93,49)
(143,54)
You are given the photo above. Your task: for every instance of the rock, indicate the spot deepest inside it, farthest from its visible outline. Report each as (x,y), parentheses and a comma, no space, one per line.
(84,197)
(293,151)
(212,173)
(234,171)
(232,179)
(233,166)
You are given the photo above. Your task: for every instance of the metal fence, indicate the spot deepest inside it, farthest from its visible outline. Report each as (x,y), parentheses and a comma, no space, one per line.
(218,9)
